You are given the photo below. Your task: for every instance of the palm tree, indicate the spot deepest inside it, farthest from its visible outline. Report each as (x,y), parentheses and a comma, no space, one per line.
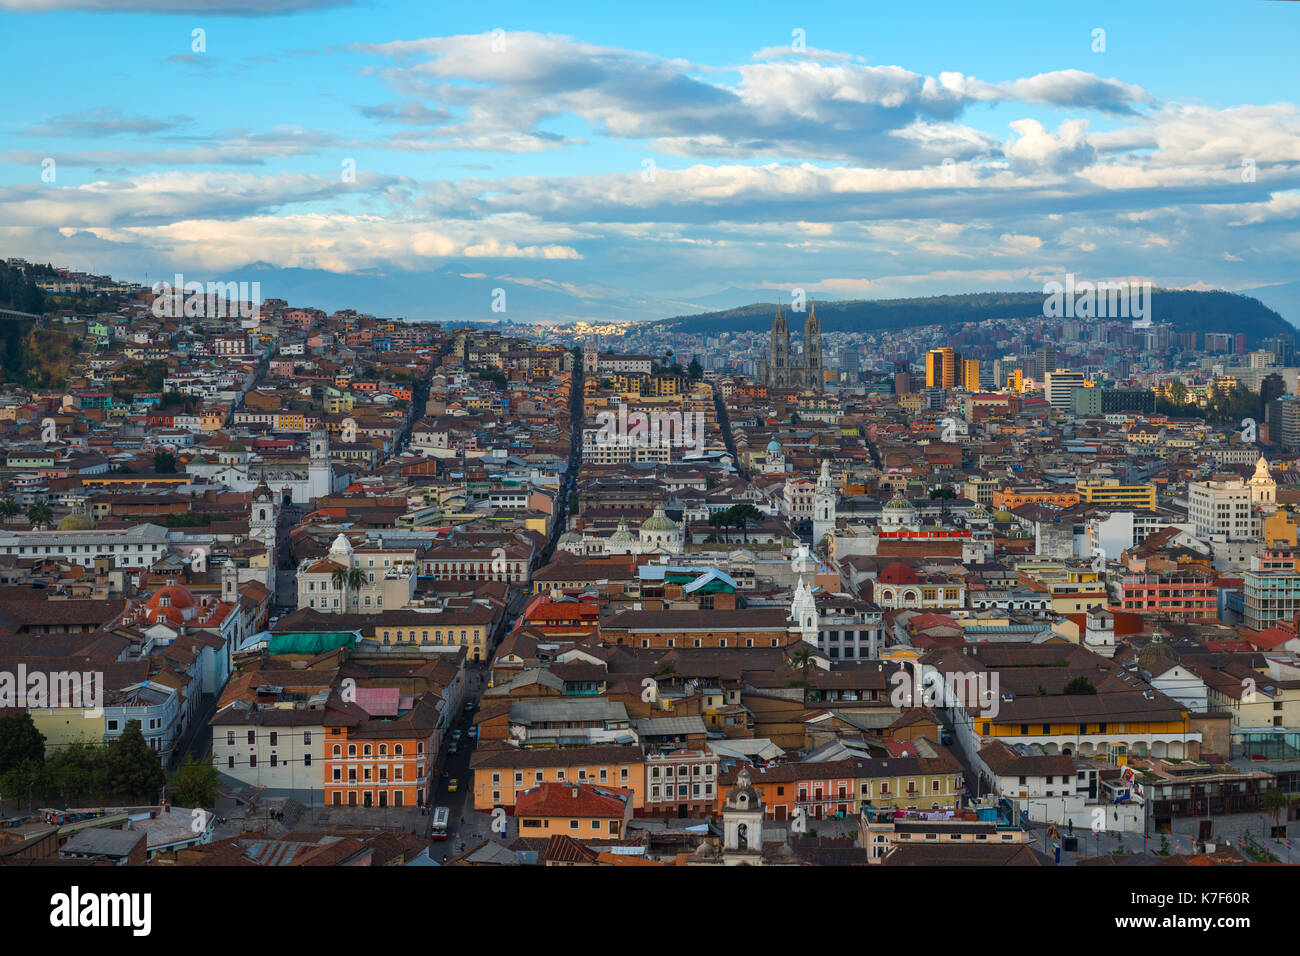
(356,579)
(9,508)
(802,658)
(1276,802)
(40,514)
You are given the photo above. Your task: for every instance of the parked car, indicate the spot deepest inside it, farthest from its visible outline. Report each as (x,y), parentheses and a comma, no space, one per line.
(453,748)
(453,785)
(469,707)
(455,734)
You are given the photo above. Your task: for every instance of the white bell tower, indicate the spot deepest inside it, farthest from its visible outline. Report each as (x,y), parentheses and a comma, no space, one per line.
(824,500)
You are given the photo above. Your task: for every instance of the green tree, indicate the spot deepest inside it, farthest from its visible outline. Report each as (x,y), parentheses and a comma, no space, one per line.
(1276,802)
(195,784)
(695,371)
(1080,685)
(164,462)
(40,514)
(9,508)
(131,769)
(802,659)
(74,771)
(20,741)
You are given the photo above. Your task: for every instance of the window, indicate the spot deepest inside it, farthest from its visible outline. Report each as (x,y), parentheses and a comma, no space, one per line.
(252,736)
(275,738)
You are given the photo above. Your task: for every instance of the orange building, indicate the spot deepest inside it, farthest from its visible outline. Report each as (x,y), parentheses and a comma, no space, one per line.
(1015,497)
(380,751)
(503,773)
(578,810)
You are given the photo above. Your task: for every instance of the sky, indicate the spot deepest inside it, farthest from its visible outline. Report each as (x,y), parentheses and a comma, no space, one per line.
(634,161)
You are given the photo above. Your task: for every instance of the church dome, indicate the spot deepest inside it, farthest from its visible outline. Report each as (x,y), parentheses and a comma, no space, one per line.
(622,535)
(659,522)
(773,446)
(172,604)
(341,545)
(898,503)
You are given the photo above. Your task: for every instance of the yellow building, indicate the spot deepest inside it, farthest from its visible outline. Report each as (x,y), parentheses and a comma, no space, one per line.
(971,375)
(1109,491)
(941,368)
(62,726)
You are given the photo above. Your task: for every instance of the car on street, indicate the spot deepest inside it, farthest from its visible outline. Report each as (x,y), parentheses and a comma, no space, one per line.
(453,785)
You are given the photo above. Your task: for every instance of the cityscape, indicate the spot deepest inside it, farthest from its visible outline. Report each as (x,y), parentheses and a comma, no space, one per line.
(631,449)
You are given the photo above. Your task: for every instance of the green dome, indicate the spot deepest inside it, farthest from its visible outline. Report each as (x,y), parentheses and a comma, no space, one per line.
(659,522)
(898,502)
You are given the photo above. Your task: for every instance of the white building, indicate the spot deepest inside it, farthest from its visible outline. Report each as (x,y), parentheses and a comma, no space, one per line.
(138,547)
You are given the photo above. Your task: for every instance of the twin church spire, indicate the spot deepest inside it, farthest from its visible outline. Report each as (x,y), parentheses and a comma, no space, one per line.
(785,368)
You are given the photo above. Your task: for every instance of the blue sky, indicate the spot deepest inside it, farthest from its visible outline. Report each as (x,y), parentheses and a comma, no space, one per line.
(903,150)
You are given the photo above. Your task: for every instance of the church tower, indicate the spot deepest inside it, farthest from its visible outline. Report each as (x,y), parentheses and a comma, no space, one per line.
(1263,488)
(803,611)
(823,505)
(812,350)
(320,473)
(779,351)
(742,822)
(263,521)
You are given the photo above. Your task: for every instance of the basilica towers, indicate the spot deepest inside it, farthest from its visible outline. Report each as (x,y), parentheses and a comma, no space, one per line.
(784,369)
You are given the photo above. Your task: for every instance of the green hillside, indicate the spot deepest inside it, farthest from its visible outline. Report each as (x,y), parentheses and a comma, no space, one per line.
(1187,311)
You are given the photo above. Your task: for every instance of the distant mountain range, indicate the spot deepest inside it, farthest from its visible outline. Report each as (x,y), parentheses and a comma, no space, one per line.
(1186,311)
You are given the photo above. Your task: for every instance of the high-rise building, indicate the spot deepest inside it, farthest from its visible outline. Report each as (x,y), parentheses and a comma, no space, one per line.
(941,368)
(1058,388)
(970,377)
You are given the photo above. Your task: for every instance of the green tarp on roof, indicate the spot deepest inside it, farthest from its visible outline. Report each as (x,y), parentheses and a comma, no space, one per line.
(313,643)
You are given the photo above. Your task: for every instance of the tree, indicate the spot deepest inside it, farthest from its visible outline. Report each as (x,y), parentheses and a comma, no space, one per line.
(695,371)
(20,741)
(1080,685)
(195,784)
(131,769)
(73,771)
(1276,802)
(40,514)
(802,658)
(743,515)
(164,462)
(9,508)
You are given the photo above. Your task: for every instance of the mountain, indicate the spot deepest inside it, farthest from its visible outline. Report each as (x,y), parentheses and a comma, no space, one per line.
(1283,298)
(457,292)
(1187,311)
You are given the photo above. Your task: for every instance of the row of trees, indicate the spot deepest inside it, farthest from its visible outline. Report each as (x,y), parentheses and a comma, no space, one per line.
(126,770)
(737,516)
(40,514)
